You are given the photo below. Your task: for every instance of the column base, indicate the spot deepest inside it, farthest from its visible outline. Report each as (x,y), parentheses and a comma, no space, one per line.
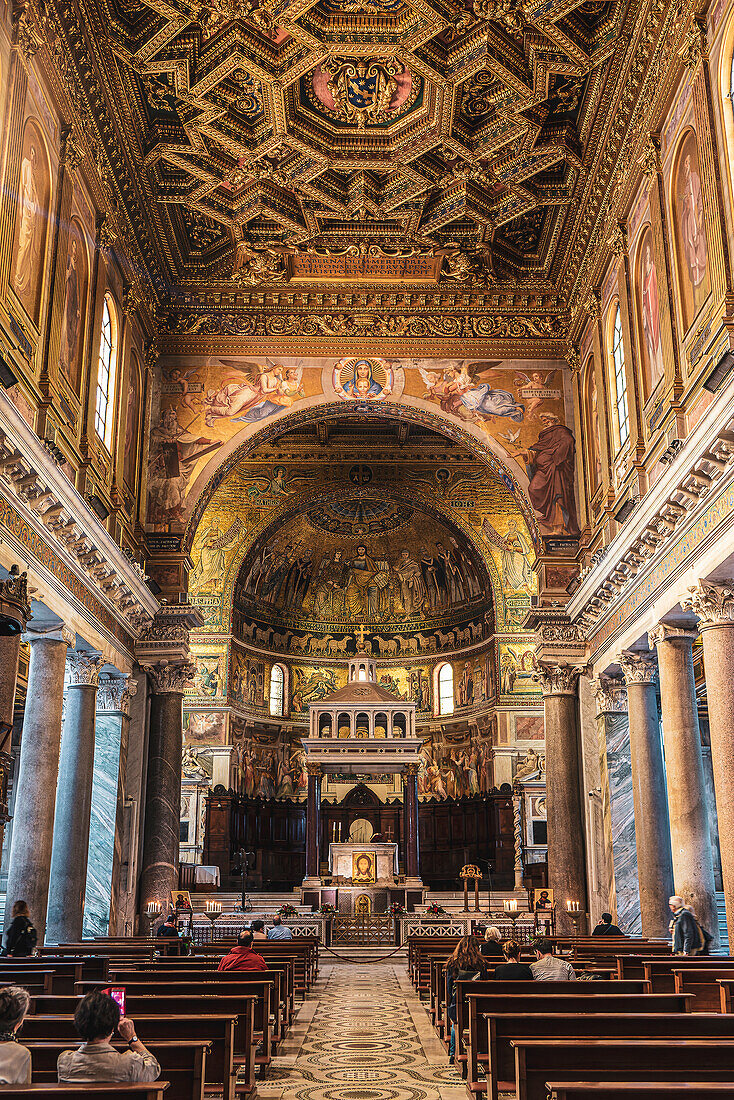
(414,883)
(311,882)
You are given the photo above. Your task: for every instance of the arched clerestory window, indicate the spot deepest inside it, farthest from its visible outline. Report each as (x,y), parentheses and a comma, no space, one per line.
(446,689)
(277,681)
(106,374)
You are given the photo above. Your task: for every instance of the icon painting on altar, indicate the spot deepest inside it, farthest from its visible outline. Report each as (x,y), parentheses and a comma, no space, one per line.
(363,867)
(181,900)
(543,900)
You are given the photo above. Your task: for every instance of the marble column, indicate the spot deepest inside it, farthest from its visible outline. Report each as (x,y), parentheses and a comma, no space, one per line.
(108,802)
(564,793)
(517,837)
(159,871)
(616,770)
(313,822)
(410,798)
(33,820)
(70,851)
(714,606)
(690,841)
(14,613)
(652,826)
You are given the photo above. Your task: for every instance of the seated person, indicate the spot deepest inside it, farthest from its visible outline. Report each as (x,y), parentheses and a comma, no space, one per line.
(492,946)
(96,1060)
(466,963)
(606,928)
(15,1060)
(513,969)
(548,967)
(169,928)
(279,931)
(242,957)
(257,927)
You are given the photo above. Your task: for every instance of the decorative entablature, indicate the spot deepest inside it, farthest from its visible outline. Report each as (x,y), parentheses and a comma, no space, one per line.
(689,507)
(53,528)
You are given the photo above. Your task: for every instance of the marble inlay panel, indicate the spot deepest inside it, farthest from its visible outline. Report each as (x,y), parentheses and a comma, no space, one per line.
(102,831)
(623,823)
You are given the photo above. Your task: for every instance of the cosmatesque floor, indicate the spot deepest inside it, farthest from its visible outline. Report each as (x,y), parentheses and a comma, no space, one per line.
(362,1035)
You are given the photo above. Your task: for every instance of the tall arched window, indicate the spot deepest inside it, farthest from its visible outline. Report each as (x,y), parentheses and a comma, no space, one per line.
(276,690)
(106,374)
(620,382)
(446,689)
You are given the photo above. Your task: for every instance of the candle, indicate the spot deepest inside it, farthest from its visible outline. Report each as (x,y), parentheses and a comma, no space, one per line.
(154,907)
(573,906)
(511,906)
(214,907)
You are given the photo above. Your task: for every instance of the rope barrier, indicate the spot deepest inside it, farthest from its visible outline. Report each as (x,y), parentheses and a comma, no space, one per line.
(360,962)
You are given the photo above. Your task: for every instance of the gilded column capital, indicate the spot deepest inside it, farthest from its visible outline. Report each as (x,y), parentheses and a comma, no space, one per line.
(84,668)
(610,695)
(638,668)
(712,603)
(313,768)
(114,694)
(666,632)
(558,678)
(410,769)
(170,677)
(15,603)
(695,44)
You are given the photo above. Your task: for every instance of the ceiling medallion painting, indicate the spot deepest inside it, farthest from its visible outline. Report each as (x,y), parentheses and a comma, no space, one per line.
(363,92)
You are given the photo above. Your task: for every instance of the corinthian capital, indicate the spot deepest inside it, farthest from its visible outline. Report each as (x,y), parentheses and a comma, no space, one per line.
(170,677)
(557,678)
(712,603)
(665,632)
(610,695)
(638,668)
(84,668)
(14,601)
(114,694)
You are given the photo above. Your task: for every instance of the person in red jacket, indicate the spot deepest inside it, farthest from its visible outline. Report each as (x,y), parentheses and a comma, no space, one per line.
(242,957)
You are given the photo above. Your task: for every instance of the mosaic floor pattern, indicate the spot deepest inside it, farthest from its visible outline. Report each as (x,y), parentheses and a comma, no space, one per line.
(362,1035)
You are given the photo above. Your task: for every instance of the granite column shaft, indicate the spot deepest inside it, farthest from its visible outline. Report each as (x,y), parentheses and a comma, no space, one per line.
(410,795)
(313,820)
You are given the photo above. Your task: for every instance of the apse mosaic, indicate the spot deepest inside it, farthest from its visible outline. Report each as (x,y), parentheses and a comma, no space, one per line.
(515,408)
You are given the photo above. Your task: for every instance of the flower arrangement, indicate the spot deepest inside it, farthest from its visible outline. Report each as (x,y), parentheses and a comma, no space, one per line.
(287,910)
(327,910)
(396,909)
(435,910)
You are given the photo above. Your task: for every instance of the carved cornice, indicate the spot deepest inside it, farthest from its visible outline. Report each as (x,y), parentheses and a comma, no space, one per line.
(15,603)
(610,695)
(638,668)
(713,604)
(167,637)
(558,679)
(170,677)
(666,632)
(84,668)
(114,694)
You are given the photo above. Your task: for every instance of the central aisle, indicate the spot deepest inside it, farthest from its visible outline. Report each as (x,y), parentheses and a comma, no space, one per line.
(362,1035)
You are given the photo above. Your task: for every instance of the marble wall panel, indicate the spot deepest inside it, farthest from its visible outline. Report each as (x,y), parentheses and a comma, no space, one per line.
(623,823)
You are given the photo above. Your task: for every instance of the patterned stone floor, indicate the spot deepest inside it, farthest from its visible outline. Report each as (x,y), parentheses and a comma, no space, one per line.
(362,1035)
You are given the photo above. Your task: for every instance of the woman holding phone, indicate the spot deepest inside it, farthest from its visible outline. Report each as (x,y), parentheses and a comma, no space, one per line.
(96,1060)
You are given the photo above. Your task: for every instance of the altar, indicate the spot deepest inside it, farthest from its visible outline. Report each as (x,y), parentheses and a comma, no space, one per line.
(364,864)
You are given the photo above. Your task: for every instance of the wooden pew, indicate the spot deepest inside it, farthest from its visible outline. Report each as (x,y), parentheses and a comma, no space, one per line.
(33,979)
(660,971)
(478,1004)
(154,1091)
(183,1064)
(674,1060)
(218,1031)
(639,1090)
(247,1008)
(703,984)
(598,992)
(67,969)
(490,1037)
(264,985)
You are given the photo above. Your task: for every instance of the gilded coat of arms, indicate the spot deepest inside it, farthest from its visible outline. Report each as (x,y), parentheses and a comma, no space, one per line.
(362,90)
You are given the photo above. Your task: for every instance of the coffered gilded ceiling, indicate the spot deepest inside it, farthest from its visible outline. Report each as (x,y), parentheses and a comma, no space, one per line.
(299,145)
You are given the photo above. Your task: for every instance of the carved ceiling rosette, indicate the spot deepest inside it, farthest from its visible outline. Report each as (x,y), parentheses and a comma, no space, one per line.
(713,604)
(84,668)
(638,668)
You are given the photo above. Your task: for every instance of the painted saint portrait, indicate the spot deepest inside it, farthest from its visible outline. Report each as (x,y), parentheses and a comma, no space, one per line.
(550,463)
(690,228)
(132,426)
(75,302)
(649,314)
(31,220)
(363,379)
(363,867)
